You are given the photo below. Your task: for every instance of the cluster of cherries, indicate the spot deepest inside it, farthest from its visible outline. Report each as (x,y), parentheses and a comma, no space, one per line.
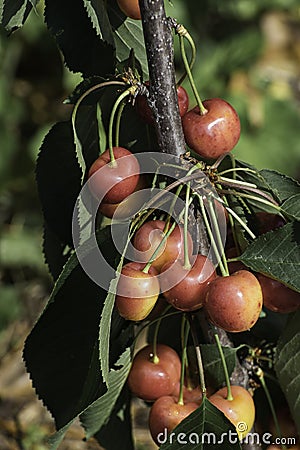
(155,377)
(232,302)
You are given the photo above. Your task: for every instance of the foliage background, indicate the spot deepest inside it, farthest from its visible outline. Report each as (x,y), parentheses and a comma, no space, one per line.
(248,53)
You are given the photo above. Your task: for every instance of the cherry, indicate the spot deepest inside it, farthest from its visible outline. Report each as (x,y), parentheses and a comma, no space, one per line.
(190,395)
(234,303)
(149,379)
(165,415)
(277,297)
(130,8)
(240,409)
(137,292)
(189,293)
(127,208)
(150,235)
(144,109)
(118,180)
(214,133)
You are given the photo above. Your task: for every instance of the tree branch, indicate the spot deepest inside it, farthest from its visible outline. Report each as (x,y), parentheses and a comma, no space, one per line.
(163,95)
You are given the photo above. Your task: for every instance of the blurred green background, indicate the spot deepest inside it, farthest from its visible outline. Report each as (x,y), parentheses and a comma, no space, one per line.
(248,53)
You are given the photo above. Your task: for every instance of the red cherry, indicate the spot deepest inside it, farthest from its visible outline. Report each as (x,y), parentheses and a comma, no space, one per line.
(165,415)
(277,297)
(130,8)
(117,181)
(145,112)
(150,380)
(214,133)
(240,409)
(189,293)
(234,303)
(150,235)
(190,395)
(136,294)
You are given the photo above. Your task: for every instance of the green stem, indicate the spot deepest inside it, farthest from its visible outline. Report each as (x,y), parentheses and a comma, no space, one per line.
(198,353)
(118,121)
(271,405)
(231,221)
(227,380)
(217,232)
(238,219)
(111,122)
(237,169)
(190,40)
(155,358)
(156,251)
(185,329)
(187,264)
(210,235)
(202,109)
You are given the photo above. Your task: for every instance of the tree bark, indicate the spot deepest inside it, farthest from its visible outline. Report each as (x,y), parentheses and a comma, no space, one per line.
(163,95)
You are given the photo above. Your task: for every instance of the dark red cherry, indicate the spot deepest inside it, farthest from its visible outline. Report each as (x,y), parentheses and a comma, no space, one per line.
(277,297)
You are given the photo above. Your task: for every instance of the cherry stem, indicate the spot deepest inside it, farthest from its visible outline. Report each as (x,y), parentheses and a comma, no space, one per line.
(187,264)
(211,236)
(185,329)
(182,31)
(202,109)
(237,218)
(155,358)
(261,377)
(218,235)
(198,353)
(232,226)
(227,380)
(237,169)
(258,199)
(118,122)
(156,251)
(111,122)
(101,130)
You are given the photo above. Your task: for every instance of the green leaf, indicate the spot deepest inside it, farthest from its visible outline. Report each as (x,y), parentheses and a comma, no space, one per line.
(281,185)
(55,252)
(277,255)
(98,413)
(213,365)
(105,322)
(83,49)
(56,439)
(97,13)
(292,206)
(204,430)
(128,34)
(61,352)
(14,14)
(287,365)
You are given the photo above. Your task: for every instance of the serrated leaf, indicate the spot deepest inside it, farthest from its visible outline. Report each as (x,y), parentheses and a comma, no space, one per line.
(78,40)
(55,252)
(213,365)
(277,255)
(281,185)
(204,429)
(14,14)
(56,439)
(98,14)
(61,352)
(287,365)
(105,321)
(98,413)
(292,206)
(128,34)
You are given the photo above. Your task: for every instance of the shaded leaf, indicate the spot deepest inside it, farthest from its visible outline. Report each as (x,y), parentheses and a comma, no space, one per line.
(277,255)
(213,365)
(204,430)
(77,38)
(14,13)
(97,13)
(292,206)
(98,413)
(281,185)
(54,252)
(287,365)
